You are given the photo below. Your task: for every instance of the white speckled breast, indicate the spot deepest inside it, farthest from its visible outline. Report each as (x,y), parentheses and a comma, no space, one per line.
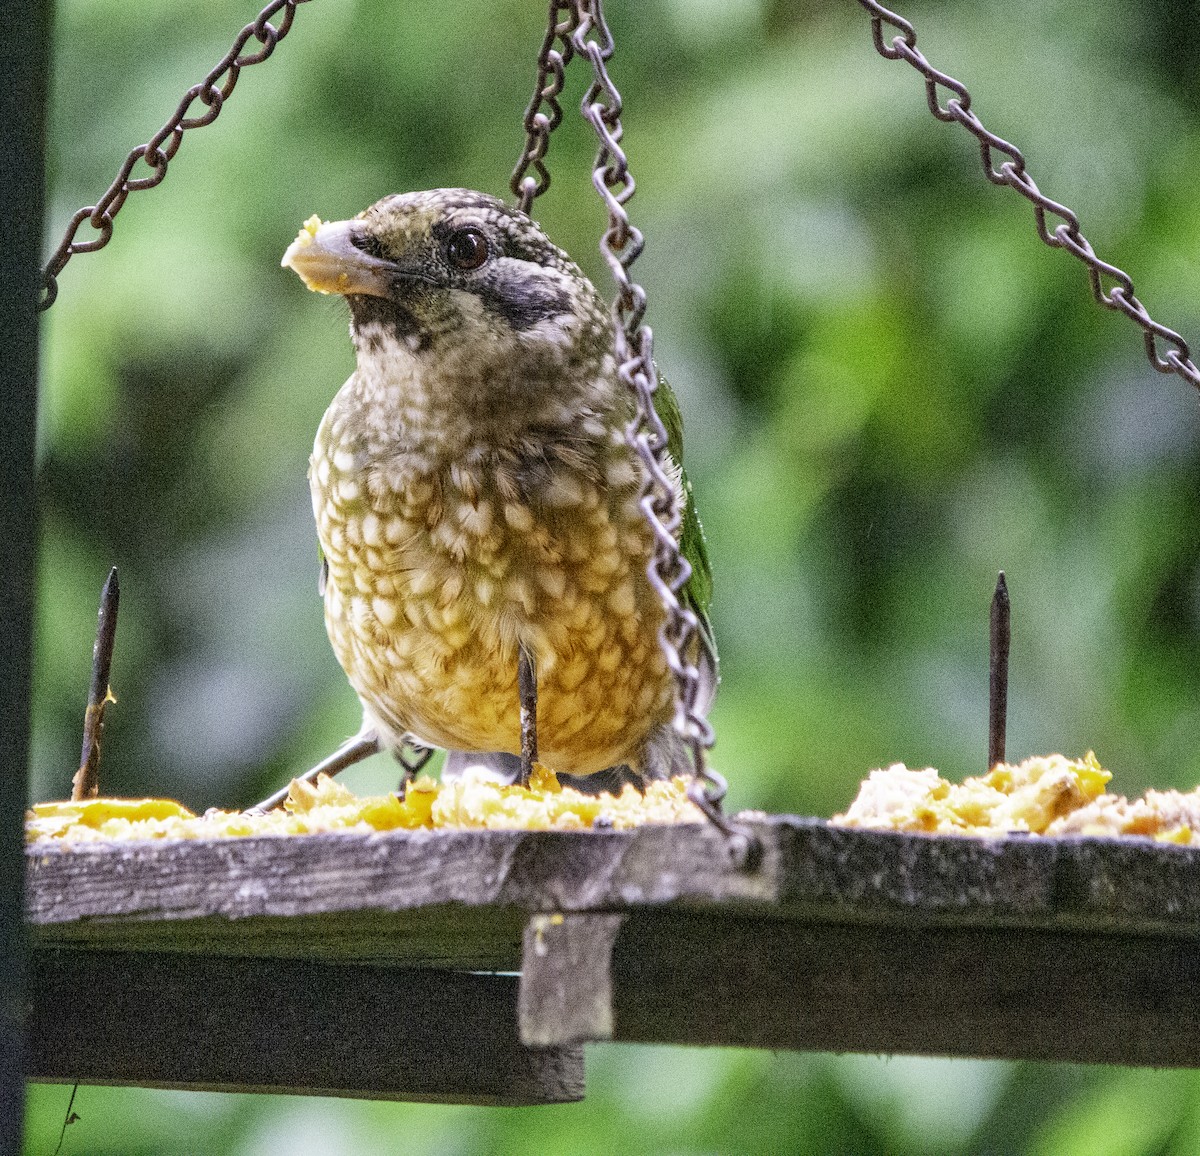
(438,567)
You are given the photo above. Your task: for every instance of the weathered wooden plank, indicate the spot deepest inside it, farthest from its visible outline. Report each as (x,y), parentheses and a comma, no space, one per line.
(220,1024)
(149,893)
(1012,993)
(388,872)
(566,991)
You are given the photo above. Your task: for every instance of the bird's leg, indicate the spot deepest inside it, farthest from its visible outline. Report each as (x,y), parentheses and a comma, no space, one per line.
(527,689)
(352,751)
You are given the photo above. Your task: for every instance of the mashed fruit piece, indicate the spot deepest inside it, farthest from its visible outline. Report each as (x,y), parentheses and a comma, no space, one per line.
(99,818)
(1045,795)
(308,230)
(1168,816)
(1048,795)
(1030,796)
(473,801)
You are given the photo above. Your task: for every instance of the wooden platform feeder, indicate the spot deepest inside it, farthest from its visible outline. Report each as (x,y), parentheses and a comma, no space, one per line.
(471,967)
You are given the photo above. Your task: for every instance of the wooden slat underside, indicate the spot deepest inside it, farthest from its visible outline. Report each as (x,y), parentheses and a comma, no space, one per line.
(224,1024)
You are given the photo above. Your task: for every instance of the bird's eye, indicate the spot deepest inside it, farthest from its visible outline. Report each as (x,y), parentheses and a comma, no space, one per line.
(467,249)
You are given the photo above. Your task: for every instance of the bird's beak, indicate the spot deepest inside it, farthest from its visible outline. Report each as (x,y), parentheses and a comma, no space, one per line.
(327,261)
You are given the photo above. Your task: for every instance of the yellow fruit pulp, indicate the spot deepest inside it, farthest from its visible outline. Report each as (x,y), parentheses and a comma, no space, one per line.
(473,801)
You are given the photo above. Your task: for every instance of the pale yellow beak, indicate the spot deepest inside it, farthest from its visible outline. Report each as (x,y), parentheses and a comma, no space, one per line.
(327,261)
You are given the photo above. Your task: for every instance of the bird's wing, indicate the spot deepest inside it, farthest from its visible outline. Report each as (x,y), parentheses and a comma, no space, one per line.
(697,592)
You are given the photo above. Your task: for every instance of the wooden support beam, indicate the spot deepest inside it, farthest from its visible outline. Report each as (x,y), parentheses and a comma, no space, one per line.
(566,993)
(690,978)
(251,1025)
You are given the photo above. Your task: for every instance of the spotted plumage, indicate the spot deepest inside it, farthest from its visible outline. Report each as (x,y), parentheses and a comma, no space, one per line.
(474,491)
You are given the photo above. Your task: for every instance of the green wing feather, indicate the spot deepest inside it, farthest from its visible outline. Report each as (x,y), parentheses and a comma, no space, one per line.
(698,590)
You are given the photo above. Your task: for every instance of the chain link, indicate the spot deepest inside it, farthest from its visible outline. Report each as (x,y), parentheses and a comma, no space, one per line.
(563,21)
(585,33)
(1057,225)
(201,105)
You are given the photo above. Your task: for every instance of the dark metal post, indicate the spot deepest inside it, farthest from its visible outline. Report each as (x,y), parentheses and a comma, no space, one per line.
(86,783)
(1000,634)
(24,64)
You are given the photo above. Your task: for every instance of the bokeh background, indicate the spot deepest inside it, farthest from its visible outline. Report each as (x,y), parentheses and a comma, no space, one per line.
(892,389)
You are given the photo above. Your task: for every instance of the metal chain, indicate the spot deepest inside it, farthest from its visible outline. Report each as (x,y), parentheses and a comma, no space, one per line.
(564,20)
(1064,234)
(668,571)
(211,92)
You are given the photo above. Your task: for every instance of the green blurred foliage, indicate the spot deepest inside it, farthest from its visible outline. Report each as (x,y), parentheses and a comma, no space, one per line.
(892,389)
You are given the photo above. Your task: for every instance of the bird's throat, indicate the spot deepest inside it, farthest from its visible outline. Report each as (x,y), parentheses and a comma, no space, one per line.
(377,322)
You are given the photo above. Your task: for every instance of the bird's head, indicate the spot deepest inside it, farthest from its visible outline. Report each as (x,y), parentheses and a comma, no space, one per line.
(467,302)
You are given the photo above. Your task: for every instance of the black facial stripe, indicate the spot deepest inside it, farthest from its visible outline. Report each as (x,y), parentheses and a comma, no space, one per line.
(522,303)
(376,317)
